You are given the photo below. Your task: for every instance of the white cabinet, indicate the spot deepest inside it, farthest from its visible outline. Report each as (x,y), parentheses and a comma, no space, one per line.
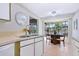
(33,47)
(39,47)
(75,51)
(75,45)
(27,50)
(4,11)
(7,50)
(27,42)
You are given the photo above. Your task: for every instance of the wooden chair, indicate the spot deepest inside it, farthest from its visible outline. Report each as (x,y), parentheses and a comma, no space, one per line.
(48,37)
(62,39)
(55,39)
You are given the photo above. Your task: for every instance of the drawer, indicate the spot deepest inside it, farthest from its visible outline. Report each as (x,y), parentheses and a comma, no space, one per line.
(27,50)
(75,50)
(38,39)
(23,43)
(6,47)
(7,50)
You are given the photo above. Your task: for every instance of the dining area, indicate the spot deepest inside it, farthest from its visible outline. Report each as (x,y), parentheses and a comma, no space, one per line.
(56,38)
(56,32)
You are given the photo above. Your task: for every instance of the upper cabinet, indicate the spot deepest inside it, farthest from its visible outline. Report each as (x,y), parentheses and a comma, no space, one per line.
(5,11)
(33,26)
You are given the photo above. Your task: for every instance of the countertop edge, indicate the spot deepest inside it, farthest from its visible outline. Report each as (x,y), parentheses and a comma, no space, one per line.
(21,39)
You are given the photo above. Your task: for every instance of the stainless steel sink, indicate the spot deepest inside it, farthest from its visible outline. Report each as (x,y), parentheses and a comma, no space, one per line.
(23,36)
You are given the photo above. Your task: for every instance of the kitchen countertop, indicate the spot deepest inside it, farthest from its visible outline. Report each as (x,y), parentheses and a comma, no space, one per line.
(11,37)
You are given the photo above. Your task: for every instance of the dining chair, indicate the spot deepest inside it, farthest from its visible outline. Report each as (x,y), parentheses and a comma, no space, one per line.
(48,38)
(62,39)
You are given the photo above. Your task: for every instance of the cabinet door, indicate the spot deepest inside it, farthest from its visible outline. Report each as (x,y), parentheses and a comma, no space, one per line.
(7,50)
(74,51)
(27,50)
(4,11)
(39,48)
(75,46)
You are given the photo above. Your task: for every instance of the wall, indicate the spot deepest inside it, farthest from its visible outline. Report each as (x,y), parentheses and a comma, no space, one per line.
(75,32)
(12,25)
(41,27)
(70,29)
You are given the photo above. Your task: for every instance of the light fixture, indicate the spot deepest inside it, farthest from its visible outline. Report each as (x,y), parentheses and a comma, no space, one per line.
(53,13)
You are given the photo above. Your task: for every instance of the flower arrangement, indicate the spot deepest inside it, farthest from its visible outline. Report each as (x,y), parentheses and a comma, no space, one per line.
(25,30)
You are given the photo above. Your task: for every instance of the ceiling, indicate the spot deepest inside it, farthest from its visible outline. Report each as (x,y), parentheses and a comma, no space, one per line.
(46,9)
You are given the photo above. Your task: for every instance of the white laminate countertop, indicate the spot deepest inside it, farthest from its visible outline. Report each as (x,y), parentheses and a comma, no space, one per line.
(11,37)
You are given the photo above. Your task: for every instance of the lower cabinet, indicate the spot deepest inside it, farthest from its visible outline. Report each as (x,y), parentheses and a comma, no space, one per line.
(75,51)
(34,49)
(39,48)
(7,50)
(27,50)
(75,45)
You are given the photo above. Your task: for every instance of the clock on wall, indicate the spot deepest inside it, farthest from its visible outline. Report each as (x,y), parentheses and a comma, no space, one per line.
(21,18)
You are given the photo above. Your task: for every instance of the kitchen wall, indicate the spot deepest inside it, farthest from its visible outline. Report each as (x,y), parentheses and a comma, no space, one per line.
(75,26)
(12,25)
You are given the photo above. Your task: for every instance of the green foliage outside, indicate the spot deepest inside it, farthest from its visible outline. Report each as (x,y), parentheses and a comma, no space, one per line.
(58,26)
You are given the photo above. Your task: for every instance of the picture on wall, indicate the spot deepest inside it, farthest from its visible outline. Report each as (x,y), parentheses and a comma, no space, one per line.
(76,24)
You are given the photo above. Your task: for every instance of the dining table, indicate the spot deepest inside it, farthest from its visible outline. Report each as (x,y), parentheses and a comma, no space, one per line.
(55,38)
